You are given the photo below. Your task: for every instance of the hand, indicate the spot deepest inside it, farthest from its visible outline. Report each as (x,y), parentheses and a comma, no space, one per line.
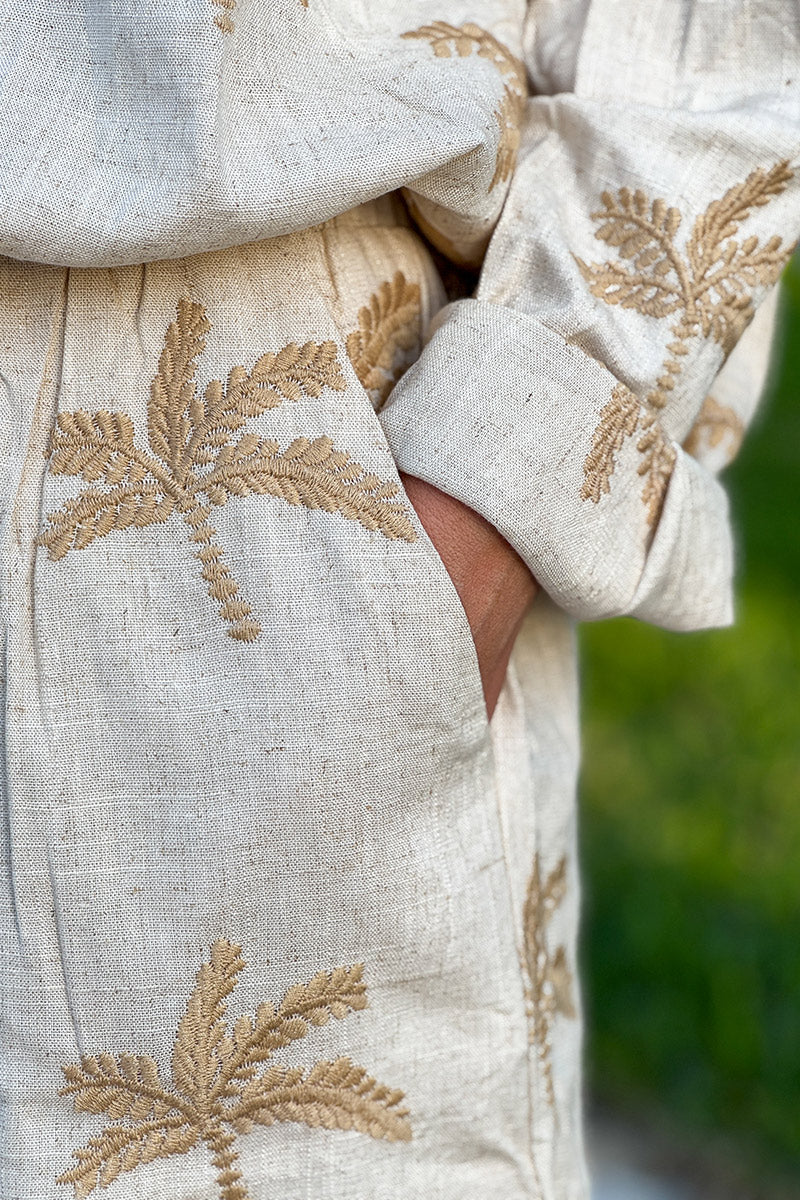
(493,583)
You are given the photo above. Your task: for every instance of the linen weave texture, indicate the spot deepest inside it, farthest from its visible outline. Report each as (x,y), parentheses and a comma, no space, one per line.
(282,914)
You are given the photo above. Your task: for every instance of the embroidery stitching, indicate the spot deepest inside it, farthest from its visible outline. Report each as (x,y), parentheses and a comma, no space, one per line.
(187,432)
(715,424)
(223,20)
(618,421)
(462,40)
(217,1093)
(388,337)
(550,986)
(658,462)
(509,118)
(709,287)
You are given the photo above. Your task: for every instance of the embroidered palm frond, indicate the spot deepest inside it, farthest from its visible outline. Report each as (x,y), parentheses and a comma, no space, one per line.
(388,337)
(127,1089)
(216,1093)
(119,1149)
(173,406)
(447,39)
(333,1095)
(642,234)
(725,271)
(128,1086)
(186,430)
(561,983)
(550,983)
(708,286)
(290,374)
(194,463)
(329,994)
(95,513)
(716,423)
(202,1045)
(313,474)
(618,421)
(97,446)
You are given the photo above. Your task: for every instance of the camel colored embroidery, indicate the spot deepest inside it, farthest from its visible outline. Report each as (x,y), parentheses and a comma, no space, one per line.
(716,424)
(388,337)
(618,421)
(187,433)
(550,979)
(224,1082)
(509,118)
(706,288)
(223,20)
(658,462)
(463,40)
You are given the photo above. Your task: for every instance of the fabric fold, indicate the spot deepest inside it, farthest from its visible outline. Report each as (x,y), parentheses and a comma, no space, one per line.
(511,414)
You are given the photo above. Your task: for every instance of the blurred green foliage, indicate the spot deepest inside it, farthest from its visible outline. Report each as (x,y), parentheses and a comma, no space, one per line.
(691,828)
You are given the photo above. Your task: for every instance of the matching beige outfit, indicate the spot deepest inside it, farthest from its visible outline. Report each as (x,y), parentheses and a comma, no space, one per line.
(282,915)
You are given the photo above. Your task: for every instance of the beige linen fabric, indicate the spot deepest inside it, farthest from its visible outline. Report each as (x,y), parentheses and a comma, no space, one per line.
(282,915)
(327,795)
(649,199)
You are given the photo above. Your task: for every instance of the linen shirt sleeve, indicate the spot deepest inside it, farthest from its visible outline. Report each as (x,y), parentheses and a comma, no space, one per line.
(655,201)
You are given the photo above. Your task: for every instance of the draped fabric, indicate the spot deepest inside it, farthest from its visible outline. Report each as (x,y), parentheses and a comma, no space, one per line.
(282,914)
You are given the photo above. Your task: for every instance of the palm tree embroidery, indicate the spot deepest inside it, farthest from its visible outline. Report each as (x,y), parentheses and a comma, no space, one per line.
(217,1092)
(187,433)
(550,979)
(708,288)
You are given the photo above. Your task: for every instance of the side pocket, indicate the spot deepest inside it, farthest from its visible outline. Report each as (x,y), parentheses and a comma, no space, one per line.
(381,325)
(459,627)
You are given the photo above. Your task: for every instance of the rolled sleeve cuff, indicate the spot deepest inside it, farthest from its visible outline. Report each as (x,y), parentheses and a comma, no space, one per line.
(501,413)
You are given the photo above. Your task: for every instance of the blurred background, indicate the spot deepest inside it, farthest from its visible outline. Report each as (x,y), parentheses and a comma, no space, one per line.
(691,856)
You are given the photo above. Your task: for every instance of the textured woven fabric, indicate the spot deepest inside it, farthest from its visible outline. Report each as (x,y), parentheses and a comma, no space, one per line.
(281,914)
(323,792)
(652,206)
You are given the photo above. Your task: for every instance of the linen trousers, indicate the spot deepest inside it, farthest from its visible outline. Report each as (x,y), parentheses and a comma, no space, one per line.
(282,914)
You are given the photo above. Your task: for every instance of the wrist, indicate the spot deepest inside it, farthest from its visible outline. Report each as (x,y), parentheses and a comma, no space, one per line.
(494,584)
(479,560)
